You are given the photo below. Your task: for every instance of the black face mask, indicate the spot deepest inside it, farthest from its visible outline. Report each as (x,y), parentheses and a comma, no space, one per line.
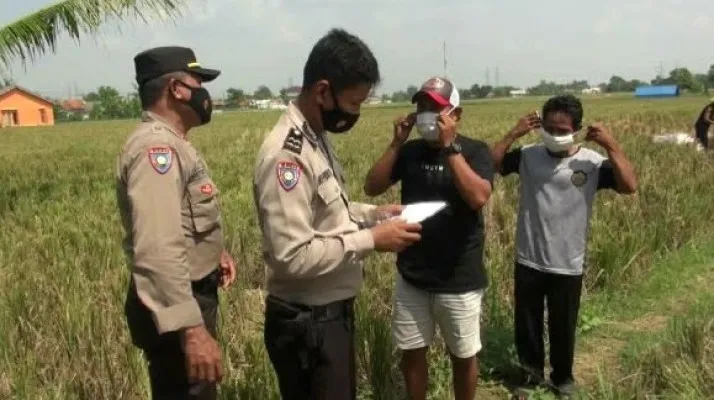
(200,102)
(337,120)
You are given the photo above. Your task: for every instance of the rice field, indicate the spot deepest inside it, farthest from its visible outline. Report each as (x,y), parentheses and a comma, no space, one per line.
(63,275)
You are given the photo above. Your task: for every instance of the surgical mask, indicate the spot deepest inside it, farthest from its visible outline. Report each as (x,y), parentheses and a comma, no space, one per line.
(200,102)
(557,143)
(426,124)
(337,120)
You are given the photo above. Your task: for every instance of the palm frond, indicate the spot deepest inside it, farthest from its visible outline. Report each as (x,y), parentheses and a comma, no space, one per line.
(35,34)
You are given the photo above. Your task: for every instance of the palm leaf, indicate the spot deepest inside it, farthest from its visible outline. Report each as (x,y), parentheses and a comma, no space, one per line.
(35,34)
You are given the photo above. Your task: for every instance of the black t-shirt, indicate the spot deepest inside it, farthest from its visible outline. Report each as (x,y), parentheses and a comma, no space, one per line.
(706,112)
(449,256)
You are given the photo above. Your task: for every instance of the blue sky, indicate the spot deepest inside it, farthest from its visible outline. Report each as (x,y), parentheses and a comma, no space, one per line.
(258,42)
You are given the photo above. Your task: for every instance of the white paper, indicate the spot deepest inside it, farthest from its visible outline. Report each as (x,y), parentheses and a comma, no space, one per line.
(417,212)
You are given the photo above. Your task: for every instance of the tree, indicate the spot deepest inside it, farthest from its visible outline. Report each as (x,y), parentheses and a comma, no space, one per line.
(263,93)
(111,105)
(37,33)
(91,96)
(411,91)
(234,97)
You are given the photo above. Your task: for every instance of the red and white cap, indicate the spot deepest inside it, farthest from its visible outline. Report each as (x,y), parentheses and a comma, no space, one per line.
(441,90)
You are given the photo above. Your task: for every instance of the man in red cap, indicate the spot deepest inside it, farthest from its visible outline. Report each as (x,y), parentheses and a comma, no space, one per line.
(441,278)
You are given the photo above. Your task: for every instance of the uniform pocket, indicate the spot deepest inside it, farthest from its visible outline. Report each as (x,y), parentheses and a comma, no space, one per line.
(329,191)
(202,198)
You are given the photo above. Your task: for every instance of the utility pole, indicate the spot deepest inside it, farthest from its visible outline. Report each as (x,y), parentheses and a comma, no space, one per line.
(445,61)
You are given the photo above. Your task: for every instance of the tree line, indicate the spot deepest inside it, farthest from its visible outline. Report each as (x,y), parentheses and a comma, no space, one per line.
(108,103)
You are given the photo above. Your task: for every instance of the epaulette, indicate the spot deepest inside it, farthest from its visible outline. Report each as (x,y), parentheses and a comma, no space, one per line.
(293,141)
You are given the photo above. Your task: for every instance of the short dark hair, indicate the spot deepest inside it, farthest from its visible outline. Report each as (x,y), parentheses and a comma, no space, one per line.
(342,59)
(150,91)
(567,104)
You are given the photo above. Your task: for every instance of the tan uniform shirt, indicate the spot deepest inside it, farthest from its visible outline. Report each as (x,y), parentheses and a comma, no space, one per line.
(171,217)
(312,242)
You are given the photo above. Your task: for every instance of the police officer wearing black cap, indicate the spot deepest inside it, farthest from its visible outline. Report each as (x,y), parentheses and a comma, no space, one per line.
(172,221)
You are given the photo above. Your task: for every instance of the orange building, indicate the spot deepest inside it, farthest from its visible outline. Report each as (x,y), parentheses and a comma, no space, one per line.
(20,107)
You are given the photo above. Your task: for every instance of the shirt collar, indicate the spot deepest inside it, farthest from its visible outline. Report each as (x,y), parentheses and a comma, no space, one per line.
(149,116)
(300,122)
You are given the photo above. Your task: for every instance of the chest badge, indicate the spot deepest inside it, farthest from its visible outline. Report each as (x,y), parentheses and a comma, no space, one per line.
(288,175)
(579,178)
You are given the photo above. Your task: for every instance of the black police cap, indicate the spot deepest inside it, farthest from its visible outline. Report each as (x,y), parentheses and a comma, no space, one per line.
(152,63)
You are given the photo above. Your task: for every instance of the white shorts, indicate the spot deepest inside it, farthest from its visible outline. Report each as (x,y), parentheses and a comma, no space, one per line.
(417,312)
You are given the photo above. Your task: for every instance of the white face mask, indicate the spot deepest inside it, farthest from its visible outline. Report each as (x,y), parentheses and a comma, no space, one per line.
(427,125)
(557,143)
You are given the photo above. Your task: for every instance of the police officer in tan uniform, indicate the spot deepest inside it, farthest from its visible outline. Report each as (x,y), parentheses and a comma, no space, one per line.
(174,241)
(314,237)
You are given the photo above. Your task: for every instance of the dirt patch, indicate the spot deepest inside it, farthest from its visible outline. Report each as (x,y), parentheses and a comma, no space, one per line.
(600,355)
(645,323)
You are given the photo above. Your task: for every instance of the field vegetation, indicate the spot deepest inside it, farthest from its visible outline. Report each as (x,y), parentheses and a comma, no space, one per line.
(63,275)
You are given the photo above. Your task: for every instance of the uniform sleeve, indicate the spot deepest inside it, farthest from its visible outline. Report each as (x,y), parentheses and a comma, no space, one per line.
(511,162)
(161,272)
(606,176)
(285,188)
(479,158)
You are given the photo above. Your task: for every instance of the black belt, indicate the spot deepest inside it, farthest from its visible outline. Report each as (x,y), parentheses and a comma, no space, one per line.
(319,313)
(208,283)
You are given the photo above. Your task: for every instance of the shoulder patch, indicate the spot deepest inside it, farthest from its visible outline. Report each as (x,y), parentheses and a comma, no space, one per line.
(288,174)
(161,159)
(293,141)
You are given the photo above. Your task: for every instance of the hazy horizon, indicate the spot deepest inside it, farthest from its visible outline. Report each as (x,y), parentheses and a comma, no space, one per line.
(258,42)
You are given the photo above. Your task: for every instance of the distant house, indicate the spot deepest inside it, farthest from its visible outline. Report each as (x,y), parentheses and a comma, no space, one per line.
(517,93)
(21,107)
(218,104)
(292,93)
(657,91)
(375,100)
(591,90)
(77,108)
(268,104)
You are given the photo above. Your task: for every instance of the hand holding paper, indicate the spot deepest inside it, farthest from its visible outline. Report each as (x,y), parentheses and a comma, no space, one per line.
(417,212)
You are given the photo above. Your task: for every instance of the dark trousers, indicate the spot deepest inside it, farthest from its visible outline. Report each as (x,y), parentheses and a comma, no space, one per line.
(702,133)
(166,360)
(312,349)
(562,295)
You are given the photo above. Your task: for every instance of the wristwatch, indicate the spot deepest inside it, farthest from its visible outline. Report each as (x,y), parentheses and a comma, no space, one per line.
(452,148)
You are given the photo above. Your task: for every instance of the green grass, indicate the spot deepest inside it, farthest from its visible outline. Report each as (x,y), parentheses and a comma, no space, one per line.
(63,275)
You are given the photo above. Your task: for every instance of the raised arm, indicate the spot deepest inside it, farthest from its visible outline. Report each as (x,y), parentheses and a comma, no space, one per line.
(499,150)
(473,171)
(623,173)
(386,171)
